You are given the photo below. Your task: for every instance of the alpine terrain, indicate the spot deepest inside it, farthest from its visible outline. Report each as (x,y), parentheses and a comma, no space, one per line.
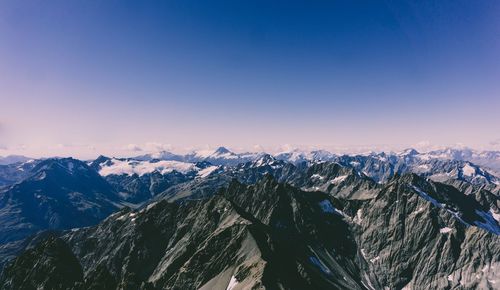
(296,220)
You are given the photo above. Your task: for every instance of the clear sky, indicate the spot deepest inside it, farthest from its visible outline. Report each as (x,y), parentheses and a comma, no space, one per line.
(87,77)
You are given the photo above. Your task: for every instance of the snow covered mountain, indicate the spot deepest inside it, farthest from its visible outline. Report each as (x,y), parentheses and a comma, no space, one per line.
(219,156)
(487,159)
(381,167)
(137,180)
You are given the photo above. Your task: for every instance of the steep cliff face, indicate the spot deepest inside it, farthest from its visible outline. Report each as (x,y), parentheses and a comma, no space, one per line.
(412,233)
(266,236)
(50,265)
(418,233)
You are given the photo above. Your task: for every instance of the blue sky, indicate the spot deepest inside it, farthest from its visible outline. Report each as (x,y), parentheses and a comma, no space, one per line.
(93,76)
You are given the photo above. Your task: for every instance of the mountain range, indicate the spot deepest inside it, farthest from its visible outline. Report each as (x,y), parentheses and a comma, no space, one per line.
(224,220)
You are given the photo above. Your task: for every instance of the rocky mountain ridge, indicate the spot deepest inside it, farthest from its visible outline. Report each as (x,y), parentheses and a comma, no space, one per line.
(273,235)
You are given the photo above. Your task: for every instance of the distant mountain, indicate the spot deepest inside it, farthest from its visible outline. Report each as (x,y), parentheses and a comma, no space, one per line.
(219,156)
(58,194)
(138,180)
(15,172)
(381,167)
(481,167)
(162,155)
(487,159)
(299,156)
(13,159)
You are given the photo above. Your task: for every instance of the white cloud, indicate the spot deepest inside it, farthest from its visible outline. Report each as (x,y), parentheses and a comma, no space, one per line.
(424,145)
(258,148)
(147,147)
(133,147)
(495,142)
(155,146)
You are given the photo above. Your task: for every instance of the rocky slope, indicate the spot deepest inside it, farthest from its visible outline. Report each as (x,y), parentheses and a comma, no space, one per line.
(412,233)
(269,235)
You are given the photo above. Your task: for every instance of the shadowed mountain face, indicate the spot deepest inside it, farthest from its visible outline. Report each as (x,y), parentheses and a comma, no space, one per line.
(57,194)
(13,173)
(410,233)
(60,193)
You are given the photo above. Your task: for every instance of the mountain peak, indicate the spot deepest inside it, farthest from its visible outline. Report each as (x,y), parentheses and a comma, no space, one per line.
(410,152)
(265,159)
(222,150)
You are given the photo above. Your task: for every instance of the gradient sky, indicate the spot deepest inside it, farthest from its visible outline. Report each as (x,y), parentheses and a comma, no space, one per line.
(87,77)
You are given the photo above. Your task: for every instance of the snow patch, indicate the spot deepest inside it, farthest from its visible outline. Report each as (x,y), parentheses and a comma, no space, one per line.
(496,216)
(419,210)
(338,179)
(207,171)
(232,283)
(130,167)
(150,206)
(445,230)
(426,196)
(122,217)
(317,176)
(468,170)
(354,163)
(423,168)
(358,218)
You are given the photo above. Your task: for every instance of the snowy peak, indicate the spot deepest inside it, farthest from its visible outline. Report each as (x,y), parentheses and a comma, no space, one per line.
(96,164)
(409,152)
(222,153)
(295,156)
(264,160)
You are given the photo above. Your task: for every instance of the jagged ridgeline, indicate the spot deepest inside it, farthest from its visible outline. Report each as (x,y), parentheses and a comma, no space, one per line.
(181,222)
